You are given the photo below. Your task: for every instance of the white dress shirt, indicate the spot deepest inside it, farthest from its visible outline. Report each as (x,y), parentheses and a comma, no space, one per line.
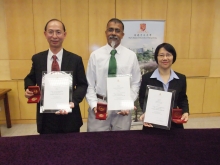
(97,71)
(50,59)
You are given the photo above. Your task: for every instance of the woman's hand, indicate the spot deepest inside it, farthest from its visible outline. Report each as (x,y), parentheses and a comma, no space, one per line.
(145,123)
(185,117)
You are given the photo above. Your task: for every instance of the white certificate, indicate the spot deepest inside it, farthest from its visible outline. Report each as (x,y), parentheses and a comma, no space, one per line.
(56,92)
(158,107)
(118,93)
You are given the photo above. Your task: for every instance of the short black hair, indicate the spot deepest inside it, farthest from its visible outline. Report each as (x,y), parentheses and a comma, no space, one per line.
(45,28)
(168,47)
(116,20)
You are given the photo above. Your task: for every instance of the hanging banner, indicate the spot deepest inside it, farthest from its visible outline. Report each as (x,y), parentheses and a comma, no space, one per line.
(142,37)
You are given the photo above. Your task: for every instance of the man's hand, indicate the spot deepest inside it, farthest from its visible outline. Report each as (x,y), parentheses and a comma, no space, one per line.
(64,112)
(72,105)
(28,93)
(61,112)
(145,123)
(95,109)
(123,112)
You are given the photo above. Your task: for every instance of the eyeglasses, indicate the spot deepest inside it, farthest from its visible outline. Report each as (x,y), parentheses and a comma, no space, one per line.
(57,32)
(161,56)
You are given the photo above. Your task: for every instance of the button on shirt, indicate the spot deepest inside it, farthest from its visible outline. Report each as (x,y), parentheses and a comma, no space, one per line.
(50,59)
(156,75)
(97,71)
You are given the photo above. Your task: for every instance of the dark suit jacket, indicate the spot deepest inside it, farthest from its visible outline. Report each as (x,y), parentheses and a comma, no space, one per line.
(70,62)
(179,85)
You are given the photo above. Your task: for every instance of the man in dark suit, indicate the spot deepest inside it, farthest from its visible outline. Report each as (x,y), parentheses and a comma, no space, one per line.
(61,121)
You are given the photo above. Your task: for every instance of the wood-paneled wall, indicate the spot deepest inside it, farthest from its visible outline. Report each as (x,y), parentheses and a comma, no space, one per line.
(192,26)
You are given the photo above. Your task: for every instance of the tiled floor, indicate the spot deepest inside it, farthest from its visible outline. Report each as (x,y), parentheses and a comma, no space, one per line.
(30,129)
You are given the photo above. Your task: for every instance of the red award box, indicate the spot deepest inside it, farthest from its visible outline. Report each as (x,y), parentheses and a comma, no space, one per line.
(36,97)
(101,111)
(176,116)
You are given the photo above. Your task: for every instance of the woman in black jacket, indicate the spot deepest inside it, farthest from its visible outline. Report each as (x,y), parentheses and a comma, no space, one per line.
(166,78)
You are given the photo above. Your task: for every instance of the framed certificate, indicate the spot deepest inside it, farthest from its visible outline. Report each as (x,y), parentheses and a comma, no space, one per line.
(56,91)
(158,105)
(118,93)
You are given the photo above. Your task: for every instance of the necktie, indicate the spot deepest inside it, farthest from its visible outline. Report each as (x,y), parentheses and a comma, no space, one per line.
(55,65)
(112,64)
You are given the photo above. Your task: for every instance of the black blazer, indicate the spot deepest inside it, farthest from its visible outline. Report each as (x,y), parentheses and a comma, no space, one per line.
(179,85)
(70,62)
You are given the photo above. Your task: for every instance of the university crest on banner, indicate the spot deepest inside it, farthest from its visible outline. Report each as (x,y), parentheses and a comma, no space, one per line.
(142,37)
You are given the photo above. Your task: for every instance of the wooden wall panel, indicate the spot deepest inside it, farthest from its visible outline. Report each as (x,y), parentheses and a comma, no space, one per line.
(128,9)
(27,111)
(4,70)
(85,63)
(178,30)
(3,33)
(201,28)
(43,11)
(86,110)
(154,9)
(195,93)
(100,12)
(214,68)
(20,68)
(215,58)
(19,18)
(76,22)
(4,56)
(12,99)
(212,95)
(216,31)
(192,67)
